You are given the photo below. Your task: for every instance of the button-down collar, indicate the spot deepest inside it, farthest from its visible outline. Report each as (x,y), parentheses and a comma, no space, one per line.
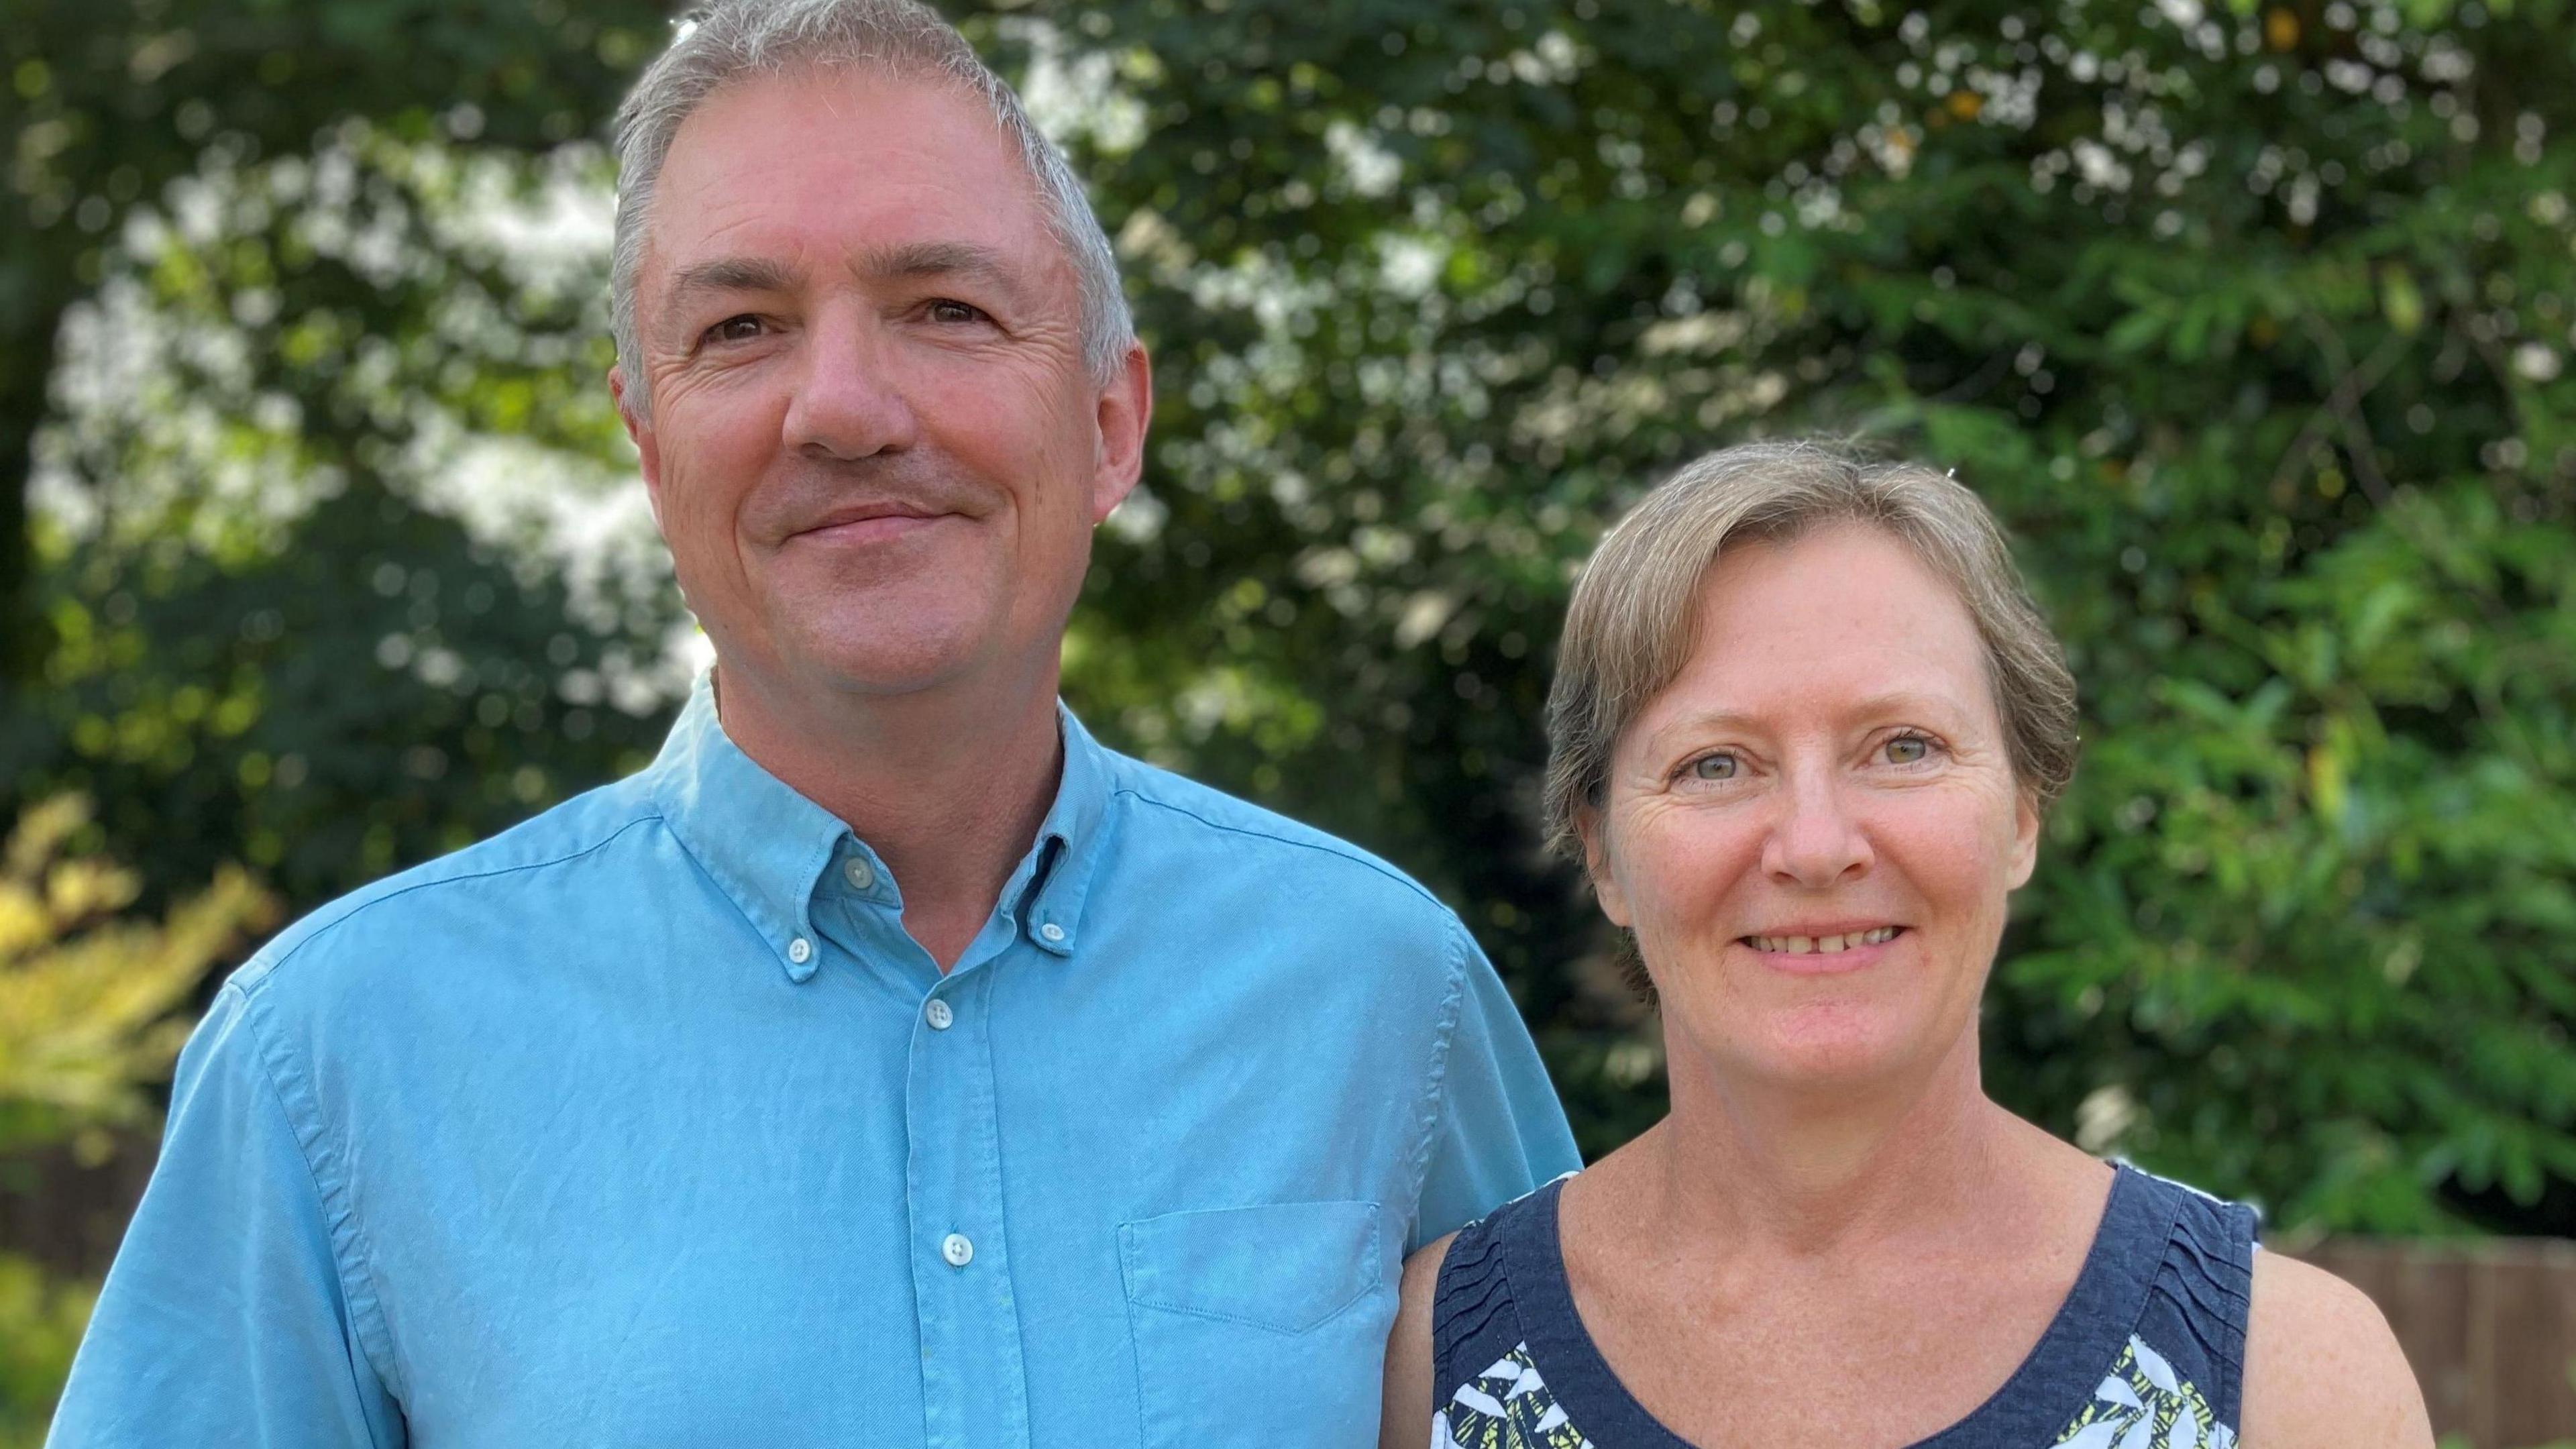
(1069,842)
(769,847)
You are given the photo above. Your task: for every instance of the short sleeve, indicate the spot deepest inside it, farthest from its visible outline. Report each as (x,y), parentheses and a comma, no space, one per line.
(226,1317)
(1497,1130)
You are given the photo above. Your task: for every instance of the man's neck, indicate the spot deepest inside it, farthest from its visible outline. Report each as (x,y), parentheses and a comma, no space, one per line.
(948,786)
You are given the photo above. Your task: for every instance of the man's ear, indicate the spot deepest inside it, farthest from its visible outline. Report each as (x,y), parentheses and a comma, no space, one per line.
(639,430)
(1126,410)
(1596,863)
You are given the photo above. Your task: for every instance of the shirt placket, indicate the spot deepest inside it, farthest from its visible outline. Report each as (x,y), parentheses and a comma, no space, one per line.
(974,1386)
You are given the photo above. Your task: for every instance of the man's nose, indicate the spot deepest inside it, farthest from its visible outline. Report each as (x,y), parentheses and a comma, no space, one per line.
(849,401)
(1816,843)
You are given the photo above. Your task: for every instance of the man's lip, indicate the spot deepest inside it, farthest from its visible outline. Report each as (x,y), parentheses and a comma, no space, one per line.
(868,527)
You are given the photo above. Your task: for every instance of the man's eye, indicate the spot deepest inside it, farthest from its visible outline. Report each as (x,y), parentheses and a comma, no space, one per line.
(1907,749)
(1713,767)
(735,329)
(949,310)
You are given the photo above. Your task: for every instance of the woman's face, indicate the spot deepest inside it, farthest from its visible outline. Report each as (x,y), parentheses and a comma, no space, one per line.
(1813,829)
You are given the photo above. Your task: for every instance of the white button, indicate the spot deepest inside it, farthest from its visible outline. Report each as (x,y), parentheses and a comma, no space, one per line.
(859,874)
(957,1250)
(800,950)
(1051,931)
(939,1014)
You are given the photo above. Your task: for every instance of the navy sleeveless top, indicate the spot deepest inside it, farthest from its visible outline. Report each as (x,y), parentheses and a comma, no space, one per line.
(2147,1351)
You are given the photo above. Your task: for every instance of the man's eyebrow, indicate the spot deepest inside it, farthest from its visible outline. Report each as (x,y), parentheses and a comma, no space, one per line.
(917,260)
(731,274)
(912,261)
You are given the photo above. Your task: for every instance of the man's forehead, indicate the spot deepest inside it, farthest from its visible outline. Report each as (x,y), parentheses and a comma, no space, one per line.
(897,174)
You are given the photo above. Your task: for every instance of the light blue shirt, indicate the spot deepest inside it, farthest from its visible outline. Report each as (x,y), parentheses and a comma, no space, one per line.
(645,1123)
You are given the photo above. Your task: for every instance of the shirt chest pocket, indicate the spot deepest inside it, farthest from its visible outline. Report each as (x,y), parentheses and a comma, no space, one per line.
(1265,1323)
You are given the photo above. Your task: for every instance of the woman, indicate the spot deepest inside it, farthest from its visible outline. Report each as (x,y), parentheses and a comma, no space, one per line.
(1805,726)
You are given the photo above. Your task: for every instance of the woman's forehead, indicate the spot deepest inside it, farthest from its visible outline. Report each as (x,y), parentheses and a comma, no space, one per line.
(1846,620)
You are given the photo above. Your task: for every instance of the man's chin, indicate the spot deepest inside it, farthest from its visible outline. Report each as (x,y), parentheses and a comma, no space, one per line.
(886,662)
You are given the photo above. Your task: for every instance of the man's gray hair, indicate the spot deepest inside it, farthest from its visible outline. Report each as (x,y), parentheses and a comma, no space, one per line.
(725,41)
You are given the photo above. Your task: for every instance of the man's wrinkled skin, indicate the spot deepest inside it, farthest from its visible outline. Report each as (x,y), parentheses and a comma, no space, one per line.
(876,450)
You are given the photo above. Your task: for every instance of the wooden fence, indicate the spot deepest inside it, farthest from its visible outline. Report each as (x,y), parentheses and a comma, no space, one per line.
(2490,1327)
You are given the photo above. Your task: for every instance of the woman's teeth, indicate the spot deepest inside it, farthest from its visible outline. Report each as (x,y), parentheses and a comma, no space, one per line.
(1825,945)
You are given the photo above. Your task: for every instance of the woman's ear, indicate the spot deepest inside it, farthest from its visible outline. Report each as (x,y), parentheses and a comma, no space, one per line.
(2025,848)
(1590,827)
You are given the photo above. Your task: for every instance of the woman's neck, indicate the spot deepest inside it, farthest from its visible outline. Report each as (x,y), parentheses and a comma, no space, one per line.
(1792,1171)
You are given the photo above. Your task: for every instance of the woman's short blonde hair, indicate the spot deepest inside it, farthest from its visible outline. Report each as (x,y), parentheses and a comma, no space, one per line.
(1634,620)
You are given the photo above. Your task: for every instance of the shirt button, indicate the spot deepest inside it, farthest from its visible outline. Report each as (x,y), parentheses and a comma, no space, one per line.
(957,1250)
(800,950)
(859,874)
(939,1016)
(1052,931)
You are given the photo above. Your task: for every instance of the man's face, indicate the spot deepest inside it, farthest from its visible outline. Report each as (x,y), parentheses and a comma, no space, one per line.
(874,445)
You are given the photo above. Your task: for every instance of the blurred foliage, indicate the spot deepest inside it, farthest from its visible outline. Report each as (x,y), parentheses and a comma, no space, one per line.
(104,105)
(86,1002)
(41,1318)
(2253,325)
(88,1022)
(262,332)
(2252,322)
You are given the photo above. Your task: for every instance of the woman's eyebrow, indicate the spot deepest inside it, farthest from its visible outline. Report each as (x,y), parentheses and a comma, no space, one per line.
(1693,727)
(1892,702)
(1904,701)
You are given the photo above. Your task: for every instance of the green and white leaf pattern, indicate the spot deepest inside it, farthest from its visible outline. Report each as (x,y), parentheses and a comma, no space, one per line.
(1505,1407)
(2144,1404)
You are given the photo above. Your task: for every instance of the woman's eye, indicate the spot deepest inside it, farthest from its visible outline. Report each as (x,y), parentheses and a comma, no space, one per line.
(1907,749)
(735,329)
(946,310)
(1713,767)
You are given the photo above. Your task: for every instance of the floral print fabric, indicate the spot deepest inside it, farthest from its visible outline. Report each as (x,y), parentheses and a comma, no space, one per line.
(2141,1404)
(2144,1404)
(1505,1407)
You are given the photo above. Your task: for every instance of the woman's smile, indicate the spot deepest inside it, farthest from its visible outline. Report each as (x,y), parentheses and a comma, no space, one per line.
(1823,951)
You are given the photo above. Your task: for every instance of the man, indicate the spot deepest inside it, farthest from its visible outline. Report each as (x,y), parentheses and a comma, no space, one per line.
(889,1063)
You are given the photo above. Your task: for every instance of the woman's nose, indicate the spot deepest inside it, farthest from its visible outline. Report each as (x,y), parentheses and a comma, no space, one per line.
(1815,843)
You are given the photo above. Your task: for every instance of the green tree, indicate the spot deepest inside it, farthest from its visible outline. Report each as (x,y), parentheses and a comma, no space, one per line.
(269,638)
(2253,322)
(91,1013)
(106,105)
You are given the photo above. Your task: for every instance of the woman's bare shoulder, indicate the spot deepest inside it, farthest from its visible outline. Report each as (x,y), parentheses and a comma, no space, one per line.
(2322,1368)
(1422,1275)
(1404,1420)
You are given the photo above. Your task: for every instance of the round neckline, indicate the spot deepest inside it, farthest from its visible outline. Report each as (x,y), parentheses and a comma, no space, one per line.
(2037,1399)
